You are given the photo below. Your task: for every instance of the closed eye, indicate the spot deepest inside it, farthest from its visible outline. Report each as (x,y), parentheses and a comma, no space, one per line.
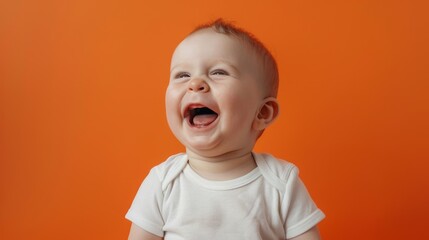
(219,72)
(182,75)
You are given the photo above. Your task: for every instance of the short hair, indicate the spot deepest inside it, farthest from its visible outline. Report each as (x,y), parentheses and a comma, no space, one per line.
(270,65)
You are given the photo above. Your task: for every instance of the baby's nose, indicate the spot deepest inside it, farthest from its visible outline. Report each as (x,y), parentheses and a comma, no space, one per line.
(198,85)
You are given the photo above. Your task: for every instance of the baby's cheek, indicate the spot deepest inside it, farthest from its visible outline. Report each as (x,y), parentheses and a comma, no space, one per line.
(172,101)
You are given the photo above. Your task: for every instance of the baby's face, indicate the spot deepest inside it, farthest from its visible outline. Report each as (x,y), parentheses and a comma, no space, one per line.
(214,94)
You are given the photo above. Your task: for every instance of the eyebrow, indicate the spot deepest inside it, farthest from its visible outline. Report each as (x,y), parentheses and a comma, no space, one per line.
(178,65)
(216,62)
(229,64)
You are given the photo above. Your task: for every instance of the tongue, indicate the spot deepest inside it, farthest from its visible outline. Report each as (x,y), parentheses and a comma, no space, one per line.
(204,119)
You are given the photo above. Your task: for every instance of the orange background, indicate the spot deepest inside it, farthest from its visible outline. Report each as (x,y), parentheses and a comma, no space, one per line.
(82,109)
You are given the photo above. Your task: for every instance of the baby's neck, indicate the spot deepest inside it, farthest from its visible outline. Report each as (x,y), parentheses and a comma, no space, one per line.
(221,169)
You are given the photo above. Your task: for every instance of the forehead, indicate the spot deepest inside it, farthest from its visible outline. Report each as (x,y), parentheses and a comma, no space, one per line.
(209,45)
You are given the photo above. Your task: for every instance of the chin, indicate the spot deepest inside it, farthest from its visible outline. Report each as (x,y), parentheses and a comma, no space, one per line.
(203,148)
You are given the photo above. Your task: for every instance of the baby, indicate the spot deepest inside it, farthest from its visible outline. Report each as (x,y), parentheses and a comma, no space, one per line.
(220,98)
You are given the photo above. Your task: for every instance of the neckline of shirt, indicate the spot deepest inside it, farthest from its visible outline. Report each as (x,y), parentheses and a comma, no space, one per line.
(222,185)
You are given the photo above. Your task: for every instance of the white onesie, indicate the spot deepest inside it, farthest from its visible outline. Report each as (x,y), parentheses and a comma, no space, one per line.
(270,202)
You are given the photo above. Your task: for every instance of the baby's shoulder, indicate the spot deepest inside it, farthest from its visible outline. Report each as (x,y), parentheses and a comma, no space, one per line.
(277,171)
(170,168)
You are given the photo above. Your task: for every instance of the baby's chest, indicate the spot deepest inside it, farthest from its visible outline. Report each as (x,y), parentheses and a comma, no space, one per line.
(250,212)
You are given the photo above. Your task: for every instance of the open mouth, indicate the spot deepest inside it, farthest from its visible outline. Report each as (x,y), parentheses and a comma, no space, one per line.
(200,116)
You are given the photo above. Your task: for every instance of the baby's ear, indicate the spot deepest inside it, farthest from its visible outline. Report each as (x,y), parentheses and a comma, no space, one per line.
(267,113)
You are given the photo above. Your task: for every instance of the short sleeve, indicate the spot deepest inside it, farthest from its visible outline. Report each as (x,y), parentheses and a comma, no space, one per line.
(300,211)
(145,211)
